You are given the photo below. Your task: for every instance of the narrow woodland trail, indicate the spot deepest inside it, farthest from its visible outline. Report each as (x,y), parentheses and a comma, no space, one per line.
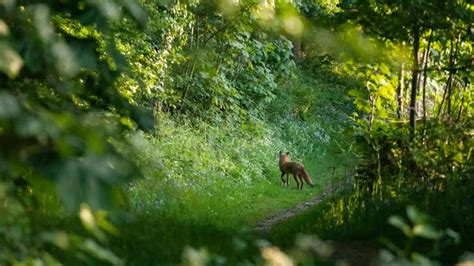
(353,252)
(264,227)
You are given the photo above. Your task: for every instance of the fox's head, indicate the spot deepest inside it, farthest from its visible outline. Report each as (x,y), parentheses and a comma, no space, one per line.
(284,156)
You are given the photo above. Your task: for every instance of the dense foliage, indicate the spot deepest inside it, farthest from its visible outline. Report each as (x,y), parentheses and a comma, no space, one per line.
(59,65)
(413,131)
(195,58)
(124,124)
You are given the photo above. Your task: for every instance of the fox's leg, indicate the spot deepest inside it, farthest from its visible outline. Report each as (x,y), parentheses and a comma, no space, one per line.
(287,176)
(297,183)
(301,182)
(283,180)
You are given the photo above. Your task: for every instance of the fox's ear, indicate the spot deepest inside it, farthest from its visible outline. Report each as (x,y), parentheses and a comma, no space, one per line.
(280,152)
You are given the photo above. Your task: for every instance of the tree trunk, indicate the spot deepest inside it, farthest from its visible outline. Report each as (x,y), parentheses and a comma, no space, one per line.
(440,109)
(425,65)
(452,72)
(461,105)
(400,92)
(449,83)
(196,37)
(414,80)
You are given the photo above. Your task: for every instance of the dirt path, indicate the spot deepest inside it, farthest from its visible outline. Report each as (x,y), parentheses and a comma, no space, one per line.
(352,252)
(263,227)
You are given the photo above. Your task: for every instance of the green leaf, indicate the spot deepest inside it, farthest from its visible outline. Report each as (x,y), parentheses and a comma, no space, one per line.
(9,106)
(137,12)
(416,216)
(57,238)
(108,9)
(454,235)
(10,62)
(41,15)
(401,224)
(357,93)
(386,91)
(66,62)
(427,231)
(91,247)
(143,117)
(4,30)
(421,260)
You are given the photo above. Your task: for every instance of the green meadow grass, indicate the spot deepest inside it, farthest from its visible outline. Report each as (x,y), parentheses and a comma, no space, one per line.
(205,184)
(204,188)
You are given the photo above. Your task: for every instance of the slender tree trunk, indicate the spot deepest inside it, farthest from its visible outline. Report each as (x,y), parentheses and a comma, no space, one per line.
(461,105)
(452,72)
(449,90)
(400,92)
(190,67)
(186,90)
(444,95)
(196,38)
(426,59)
(414,80)
(465,86)
(449,83)
(372,111)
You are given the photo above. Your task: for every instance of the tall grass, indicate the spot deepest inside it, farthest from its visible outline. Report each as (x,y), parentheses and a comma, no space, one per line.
(205,184)
(440,185)
(214,175)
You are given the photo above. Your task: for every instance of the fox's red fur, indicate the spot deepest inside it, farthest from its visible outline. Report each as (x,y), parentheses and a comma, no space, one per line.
(296,169)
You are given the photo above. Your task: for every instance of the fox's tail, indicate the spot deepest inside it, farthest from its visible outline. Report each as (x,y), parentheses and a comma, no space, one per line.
(307,178)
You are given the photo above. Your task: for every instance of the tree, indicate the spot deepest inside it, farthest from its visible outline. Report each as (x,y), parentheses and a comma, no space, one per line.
(410,22)
(203,59)
(60,109)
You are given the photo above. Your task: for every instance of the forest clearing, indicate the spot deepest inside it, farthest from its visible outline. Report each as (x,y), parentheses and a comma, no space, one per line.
(236,132)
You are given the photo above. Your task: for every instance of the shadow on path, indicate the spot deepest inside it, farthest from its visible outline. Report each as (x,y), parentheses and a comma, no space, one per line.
(353,252)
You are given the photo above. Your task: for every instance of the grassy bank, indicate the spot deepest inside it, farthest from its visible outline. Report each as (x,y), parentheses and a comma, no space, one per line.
(358,216)
(206,183)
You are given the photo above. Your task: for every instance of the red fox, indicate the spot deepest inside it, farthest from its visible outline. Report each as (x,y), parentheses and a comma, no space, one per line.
(296,169)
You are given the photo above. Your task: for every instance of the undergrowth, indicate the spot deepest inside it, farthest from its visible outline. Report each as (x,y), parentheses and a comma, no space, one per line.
(206,184)
(438,181)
